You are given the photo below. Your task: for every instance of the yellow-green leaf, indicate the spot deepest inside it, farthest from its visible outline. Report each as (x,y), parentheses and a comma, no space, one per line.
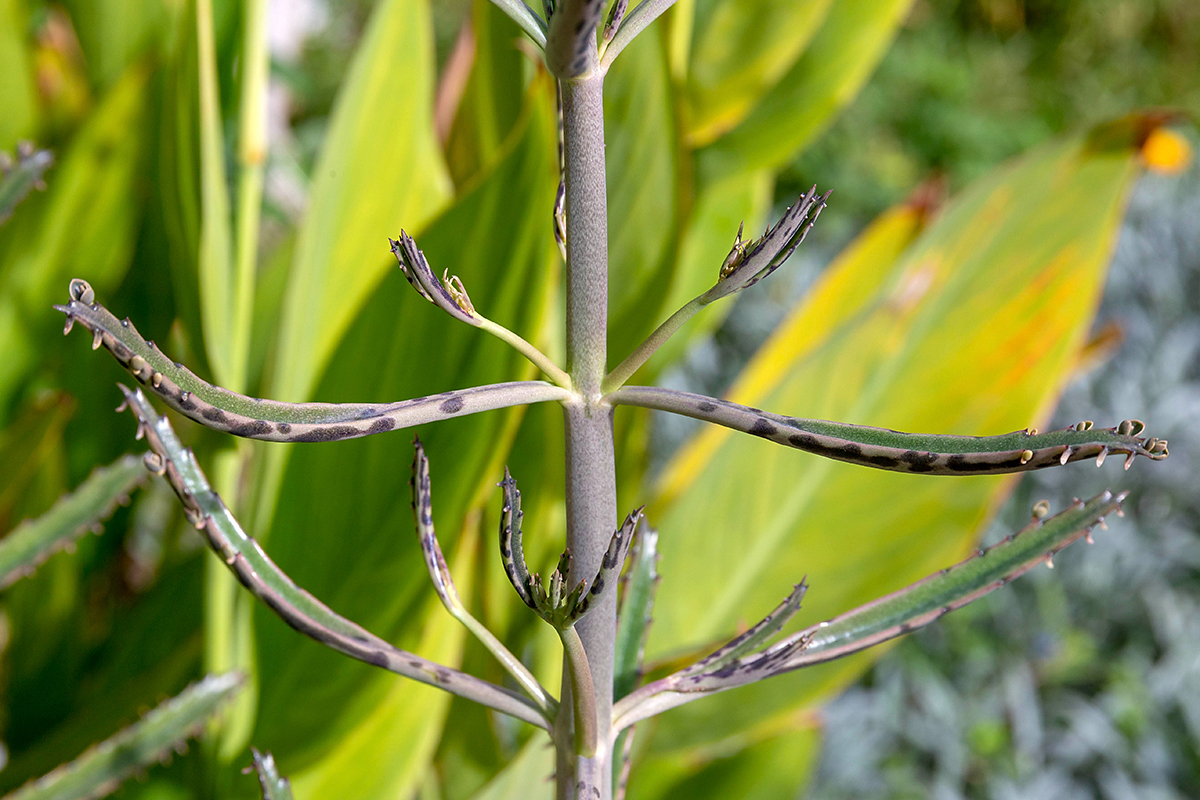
(380,169)
(114,33)
(527,777)
(491,101)
(837,62)
(740,48)
(16,77)
(772,765)
(387,752)
(972,331)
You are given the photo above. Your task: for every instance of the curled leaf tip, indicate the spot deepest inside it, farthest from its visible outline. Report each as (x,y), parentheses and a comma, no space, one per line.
(431,550)
(81,290)
(751,261)
(553,598)
(512,551)
(450,296)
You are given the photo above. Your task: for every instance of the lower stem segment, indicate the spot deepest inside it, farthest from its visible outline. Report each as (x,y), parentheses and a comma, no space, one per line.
(591,520)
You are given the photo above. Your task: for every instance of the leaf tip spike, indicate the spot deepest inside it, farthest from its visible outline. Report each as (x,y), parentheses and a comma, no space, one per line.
(81,291)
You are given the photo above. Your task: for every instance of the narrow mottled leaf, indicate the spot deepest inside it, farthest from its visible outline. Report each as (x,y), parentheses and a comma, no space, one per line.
(755,637)
(258,573)
(748,263)
(435,562)
(917,453)
(19,177)
(882,619)
(33,541)
(614,559)
(512,548)
(751,261)
(270,420)
(150,740)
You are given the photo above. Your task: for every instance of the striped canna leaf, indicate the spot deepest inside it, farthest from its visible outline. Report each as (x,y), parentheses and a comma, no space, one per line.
(33,541)
(150,740)
(889,616)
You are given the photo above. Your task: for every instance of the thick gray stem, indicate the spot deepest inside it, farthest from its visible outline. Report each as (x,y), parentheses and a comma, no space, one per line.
(591,476)
(591,520)
(587,233)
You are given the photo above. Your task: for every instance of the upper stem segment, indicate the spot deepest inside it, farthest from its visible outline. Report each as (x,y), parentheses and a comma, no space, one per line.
(587,233)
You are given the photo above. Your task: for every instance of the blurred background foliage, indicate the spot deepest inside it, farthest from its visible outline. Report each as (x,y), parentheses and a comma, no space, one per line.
(391,113)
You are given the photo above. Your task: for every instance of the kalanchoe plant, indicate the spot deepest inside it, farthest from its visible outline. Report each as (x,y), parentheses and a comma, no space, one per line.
(590,720)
